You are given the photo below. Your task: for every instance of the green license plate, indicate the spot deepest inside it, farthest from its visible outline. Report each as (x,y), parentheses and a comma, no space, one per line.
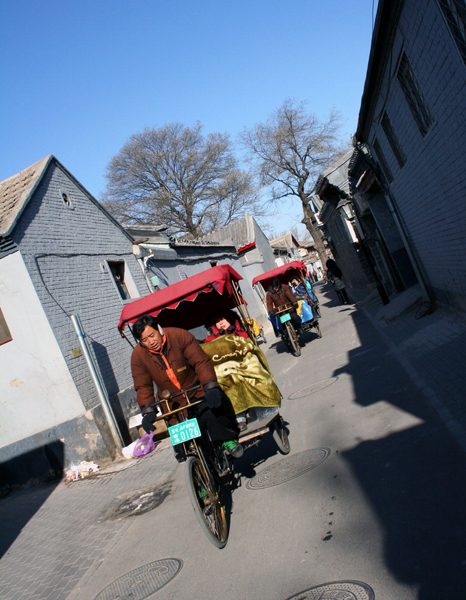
(183,432)
(285,318)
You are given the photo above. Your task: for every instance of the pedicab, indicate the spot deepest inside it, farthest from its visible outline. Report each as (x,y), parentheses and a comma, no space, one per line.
(258,329)
(244,377)
(308,305)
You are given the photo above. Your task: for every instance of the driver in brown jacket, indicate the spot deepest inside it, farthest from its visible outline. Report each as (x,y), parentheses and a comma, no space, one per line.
(277,296)
(173,359)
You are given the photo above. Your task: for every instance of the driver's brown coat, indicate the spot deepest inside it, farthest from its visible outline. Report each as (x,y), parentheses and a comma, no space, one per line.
(274,300)
(187,359)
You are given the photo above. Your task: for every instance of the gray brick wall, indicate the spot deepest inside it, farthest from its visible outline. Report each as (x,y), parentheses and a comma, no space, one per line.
(63,250)
(266,251)
(430,189)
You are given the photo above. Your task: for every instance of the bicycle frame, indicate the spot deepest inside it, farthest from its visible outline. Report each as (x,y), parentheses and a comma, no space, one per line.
(190,447)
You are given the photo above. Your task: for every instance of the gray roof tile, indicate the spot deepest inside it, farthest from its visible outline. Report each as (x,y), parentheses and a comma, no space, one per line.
(16,191)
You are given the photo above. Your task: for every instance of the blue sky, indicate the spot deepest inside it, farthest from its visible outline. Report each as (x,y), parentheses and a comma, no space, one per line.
(78,78)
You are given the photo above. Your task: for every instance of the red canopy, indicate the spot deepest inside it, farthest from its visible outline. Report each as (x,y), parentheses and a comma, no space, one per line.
(283,273)
(186,304)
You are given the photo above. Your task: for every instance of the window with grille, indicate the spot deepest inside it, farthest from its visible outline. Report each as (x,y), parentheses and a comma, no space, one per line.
(414,95)
(66,200)
(393,140)
(382,160)
(455,15)
(121,277)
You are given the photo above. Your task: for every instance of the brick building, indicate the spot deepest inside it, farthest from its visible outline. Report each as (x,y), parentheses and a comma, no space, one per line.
(409,171)
(61,254)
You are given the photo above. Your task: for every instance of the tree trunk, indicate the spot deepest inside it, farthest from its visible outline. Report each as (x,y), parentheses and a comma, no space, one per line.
(311,224)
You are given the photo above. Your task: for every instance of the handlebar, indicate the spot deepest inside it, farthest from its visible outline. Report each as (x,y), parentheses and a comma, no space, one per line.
(283,308)
(166,396)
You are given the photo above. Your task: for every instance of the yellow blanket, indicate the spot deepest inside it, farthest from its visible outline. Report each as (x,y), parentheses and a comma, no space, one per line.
(242,372)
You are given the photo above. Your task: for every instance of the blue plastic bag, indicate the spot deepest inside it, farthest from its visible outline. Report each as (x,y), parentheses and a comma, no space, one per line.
(308,315)
(276,324)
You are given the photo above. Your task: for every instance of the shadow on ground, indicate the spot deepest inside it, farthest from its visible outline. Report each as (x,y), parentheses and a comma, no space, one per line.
(414,479)
(18,505)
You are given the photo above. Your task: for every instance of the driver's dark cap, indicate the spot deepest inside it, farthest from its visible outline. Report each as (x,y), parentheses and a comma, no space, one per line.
(276,282)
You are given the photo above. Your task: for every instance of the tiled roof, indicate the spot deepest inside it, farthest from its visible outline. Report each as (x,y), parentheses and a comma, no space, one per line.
(287,240)
(337,174)
(16,191)
(239,233)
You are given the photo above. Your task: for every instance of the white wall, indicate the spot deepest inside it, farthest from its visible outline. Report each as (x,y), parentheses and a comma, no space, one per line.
(36,388)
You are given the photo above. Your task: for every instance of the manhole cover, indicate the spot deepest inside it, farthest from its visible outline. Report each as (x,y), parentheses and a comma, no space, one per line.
(312,388)
(137,503)
(338,590)
(143,581)
(288,468)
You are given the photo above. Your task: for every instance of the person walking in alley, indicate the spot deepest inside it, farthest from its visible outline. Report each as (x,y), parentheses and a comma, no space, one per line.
(334,276)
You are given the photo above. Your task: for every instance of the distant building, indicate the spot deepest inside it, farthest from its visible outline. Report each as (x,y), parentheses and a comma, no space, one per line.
(333,187)
(254,253)
(285,248)
(168,260)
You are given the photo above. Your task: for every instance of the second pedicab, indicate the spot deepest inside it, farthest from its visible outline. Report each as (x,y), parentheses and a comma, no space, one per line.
(308,304)
(244,377)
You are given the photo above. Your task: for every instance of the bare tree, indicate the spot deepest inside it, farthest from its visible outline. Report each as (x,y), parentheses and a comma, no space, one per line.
(290,150)
(176,175)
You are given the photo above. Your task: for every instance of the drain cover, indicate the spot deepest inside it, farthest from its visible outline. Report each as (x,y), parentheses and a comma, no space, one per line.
(143,581)
(137,503)
(288,468)
(312,388)
(338,590)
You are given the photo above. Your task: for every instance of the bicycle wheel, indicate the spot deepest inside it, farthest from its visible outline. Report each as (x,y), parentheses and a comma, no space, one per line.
(293,339)
(280,436)
(205,500)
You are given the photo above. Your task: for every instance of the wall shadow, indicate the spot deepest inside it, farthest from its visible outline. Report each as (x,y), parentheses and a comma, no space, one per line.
(18,506)
(414,479)
(112,388)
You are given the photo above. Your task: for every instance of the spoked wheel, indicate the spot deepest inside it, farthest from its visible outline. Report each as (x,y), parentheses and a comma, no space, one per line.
(293,339)
(280,436)
(205,499)
(318,331)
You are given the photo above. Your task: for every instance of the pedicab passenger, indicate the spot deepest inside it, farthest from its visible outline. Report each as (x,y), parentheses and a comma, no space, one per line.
(298,288)
(172,358)
(277,296)
(301,290)
(224,322)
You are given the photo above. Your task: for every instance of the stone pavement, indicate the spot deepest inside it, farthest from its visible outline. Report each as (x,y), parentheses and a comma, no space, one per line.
(55,537)
(430,347)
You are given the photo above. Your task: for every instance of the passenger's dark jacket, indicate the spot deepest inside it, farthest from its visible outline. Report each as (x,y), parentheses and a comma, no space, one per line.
(189,362)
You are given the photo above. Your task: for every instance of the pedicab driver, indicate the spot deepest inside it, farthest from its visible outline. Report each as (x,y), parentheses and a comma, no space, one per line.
(173,359)
(277,296)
